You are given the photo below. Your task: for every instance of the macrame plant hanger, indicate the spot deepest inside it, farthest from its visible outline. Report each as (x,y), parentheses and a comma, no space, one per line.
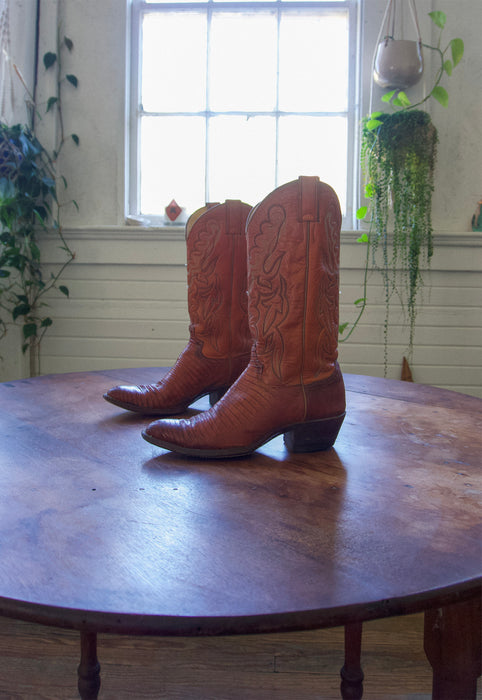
(10,75)
(397,62)
(7,95)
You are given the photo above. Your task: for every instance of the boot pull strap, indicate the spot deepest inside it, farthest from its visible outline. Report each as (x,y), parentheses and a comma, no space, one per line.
(234,224)
(308,209)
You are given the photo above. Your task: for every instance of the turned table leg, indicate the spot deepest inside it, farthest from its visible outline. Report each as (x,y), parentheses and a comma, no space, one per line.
(452,643)
(352,675)
(89,667)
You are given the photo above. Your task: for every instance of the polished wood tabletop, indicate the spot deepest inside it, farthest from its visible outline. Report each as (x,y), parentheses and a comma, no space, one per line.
(103,532)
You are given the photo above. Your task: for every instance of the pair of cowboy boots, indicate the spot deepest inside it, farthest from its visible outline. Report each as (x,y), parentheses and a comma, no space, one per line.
(268,358)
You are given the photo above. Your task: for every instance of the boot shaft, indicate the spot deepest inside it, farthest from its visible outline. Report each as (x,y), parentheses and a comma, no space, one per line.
(293,280)
(217,279)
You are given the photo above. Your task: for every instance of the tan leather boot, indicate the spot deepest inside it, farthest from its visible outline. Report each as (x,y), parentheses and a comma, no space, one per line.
(293,384)
(219,345)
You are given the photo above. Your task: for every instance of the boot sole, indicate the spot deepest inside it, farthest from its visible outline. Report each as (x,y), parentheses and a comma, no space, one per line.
(312,436)
(214,396)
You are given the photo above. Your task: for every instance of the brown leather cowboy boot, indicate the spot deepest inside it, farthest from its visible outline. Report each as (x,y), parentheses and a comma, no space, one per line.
(219,345)
(293,384)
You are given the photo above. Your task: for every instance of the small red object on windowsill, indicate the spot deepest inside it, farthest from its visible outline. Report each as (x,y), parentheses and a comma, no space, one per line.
(173,211)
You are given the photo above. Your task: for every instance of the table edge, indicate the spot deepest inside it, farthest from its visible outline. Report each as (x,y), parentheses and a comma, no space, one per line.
(184,626)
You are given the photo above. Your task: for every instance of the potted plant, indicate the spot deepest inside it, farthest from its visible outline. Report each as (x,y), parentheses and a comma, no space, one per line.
(398,158)
(29,208)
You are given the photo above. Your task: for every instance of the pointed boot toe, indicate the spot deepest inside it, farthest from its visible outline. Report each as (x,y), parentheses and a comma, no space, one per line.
(123,396)
(170,434)
(142,399)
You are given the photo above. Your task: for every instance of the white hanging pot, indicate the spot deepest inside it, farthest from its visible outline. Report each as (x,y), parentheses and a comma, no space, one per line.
(398,62)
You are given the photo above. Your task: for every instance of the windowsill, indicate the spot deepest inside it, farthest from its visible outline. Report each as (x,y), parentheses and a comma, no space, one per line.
(177,233)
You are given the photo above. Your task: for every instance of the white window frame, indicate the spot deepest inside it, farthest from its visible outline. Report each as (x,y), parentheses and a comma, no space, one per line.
(135,111)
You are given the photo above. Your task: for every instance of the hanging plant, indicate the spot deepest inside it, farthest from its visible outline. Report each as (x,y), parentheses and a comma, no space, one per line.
(398,157)
(399,161)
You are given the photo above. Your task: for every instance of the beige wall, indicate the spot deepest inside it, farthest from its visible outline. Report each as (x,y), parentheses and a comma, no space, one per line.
(127,304)
(128,308)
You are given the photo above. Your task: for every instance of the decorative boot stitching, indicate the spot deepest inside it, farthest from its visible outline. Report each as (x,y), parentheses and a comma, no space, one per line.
(329,285)
(268,305)
(205,297)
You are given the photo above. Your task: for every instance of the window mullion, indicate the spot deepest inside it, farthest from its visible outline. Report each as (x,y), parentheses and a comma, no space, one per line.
(207,119)
(277,112)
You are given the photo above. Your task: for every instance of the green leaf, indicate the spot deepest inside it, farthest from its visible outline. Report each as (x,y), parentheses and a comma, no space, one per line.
(404,101)
(72,79)
(4,273)
(401,100)
(35,250)
(50,103)
(457,46)
(75,139)
(369,190)
(363,238)
(46,323)
(75,204)
(64,290)
(69,43)
(49,59)
(361,212)
(439,18)
(25,347)
(388,96)
(441,95)
(48,182)
(448,67)
(342,328)
(20,310)
(29,330)
(373,124)
(362,300)
(62,177)
(41,213)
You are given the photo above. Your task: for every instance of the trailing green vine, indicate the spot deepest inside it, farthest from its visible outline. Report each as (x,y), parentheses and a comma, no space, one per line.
(399,162)
(30,206)
(398,157)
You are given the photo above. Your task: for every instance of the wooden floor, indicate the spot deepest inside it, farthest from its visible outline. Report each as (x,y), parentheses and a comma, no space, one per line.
(39,663)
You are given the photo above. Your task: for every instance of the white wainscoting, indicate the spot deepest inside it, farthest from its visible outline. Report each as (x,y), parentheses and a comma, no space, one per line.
(127,308)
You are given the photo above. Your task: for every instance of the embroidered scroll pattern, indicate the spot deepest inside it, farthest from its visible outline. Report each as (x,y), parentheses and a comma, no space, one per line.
(329,287)
(268,303)
(204,287)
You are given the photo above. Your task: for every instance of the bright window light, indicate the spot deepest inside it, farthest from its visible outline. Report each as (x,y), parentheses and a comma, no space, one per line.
(231,99)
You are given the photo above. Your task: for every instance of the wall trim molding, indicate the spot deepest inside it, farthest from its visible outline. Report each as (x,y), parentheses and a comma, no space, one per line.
(176,233)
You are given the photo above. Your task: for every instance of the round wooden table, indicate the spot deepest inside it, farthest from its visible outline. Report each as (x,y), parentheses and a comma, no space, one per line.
(102,532)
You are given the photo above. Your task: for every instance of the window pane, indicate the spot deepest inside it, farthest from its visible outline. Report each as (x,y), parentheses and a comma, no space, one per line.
(174,62)
(172,163)
(314,146)
(243,61)
(242,158)
(314,62)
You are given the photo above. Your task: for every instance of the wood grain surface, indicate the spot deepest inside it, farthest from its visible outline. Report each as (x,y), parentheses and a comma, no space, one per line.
(100,530)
